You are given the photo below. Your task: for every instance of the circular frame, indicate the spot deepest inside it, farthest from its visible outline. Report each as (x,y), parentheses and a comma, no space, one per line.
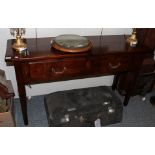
(71,43)
(72,50)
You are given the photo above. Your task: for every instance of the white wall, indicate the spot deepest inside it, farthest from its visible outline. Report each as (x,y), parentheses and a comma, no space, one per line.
(48,32)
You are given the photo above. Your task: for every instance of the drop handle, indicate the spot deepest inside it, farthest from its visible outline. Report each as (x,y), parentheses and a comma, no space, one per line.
(114,66)
(58,72)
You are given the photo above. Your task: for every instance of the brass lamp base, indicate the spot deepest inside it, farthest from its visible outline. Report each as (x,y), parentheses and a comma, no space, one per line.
(19,45)
(132,40)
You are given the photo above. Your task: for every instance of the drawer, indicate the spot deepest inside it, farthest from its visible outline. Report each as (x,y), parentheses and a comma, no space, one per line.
(111,64)
(57,70)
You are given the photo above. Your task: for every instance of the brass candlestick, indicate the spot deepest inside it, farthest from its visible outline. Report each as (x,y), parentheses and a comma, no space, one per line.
(132,40)
(18,45)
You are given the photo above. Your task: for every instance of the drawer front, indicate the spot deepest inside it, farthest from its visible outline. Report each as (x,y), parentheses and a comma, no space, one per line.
(111,64)
(65,69)
(56,70)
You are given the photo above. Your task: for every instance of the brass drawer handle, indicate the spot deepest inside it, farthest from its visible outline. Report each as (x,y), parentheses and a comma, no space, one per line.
(58,72)
(114,66)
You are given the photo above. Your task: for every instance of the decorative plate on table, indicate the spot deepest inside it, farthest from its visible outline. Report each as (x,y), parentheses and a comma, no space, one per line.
(71,43)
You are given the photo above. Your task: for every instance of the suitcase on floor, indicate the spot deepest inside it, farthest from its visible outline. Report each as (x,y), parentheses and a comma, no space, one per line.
(83,107)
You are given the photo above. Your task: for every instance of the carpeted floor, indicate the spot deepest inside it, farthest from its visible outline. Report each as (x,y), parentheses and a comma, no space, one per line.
(138,113)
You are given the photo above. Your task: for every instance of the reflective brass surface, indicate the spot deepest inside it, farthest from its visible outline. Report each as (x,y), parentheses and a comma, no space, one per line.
(19,45)
(132,40)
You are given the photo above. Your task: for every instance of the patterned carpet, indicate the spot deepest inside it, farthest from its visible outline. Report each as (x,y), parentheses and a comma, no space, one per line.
(138,113)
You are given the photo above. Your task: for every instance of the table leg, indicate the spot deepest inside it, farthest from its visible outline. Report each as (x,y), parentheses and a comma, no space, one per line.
(126,99)
(115,81)
(21,91)
(23,102)
(130,86)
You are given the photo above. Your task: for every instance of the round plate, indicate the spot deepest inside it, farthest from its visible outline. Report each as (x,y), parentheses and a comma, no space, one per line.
(71,43)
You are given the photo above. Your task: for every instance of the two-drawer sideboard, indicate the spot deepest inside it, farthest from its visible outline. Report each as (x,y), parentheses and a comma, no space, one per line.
(110,55)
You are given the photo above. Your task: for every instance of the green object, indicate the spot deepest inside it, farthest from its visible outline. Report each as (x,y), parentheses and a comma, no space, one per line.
(1,101)
(3,106)
(71,41)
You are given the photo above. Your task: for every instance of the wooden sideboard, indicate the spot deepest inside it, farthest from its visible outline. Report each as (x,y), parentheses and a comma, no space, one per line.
(110,55)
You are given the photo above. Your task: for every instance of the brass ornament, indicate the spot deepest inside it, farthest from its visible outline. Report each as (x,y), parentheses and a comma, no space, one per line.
(132,40)
(19,45)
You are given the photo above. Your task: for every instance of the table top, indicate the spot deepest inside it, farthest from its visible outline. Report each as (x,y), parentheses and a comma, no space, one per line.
(40,48)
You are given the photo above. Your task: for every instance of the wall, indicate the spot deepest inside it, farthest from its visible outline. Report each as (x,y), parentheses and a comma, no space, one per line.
(40,89)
